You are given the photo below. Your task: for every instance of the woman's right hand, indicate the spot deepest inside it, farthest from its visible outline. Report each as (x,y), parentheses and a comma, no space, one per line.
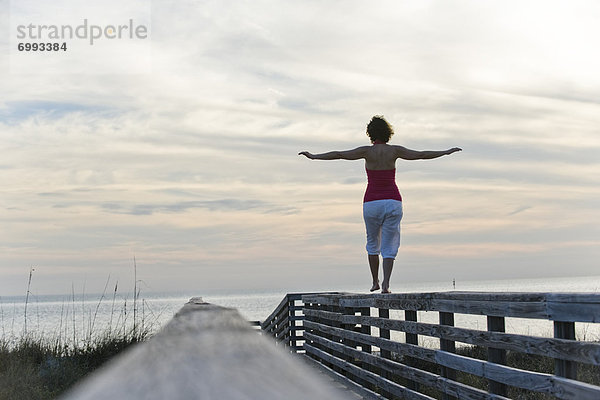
(306,154)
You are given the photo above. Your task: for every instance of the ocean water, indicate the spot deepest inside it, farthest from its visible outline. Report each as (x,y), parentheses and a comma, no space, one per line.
(76,317)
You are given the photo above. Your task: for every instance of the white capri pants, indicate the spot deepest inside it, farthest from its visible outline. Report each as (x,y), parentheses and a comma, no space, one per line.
(382,220)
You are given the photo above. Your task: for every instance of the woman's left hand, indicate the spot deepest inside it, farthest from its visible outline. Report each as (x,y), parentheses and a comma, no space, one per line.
(453,150)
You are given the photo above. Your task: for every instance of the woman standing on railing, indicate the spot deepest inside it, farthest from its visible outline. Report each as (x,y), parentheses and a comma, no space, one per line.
(382,203)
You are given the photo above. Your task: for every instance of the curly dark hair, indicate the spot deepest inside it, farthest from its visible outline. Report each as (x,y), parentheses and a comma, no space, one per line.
(379,129)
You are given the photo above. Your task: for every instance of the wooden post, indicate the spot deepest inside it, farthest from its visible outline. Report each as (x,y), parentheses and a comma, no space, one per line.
(566,369)
(291,324)
(384,333)
(366,329)
(352,327)
(306,330)
(447,318)
(348,327)
(330,308)
(315,306)
(411,338)
(497,356)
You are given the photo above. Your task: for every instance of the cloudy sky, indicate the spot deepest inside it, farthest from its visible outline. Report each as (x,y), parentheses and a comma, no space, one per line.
(188,160)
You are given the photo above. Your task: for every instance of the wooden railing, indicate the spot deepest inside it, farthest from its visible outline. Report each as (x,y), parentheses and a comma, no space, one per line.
(205,352)
(285,322)
(374,341)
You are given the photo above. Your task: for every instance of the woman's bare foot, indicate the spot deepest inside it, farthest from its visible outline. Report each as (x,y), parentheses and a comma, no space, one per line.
(374,287)
(385,287)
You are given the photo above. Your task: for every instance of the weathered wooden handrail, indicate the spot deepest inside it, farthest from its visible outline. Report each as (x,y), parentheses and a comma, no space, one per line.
(338,333)
(205,352)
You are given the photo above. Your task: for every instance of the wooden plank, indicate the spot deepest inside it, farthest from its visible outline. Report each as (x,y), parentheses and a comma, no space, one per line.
(325,299)
(392,302)
(466,296)
(574,390)
(561,388)
(455,389)
(574,297)
(493,308)
(573,307)
(382,383)
(573,312)
(204,352)
(588,352)
(481,296)
(328,315)
(363,392)
(511,376)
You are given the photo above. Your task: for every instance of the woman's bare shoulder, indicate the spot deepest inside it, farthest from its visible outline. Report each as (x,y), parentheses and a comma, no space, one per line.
(401,151)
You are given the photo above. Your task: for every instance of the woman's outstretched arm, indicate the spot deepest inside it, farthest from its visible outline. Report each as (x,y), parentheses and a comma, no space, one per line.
(354,154)
(408,154)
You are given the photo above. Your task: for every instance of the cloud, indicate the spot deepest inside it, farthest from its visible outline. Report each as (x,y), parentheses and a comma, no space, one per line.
(212,205)
(519,210)
(22,110)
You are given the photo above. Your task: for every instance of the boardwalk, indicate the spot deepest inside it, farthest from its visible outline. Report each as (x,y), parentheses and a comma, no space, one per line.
(348,346)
